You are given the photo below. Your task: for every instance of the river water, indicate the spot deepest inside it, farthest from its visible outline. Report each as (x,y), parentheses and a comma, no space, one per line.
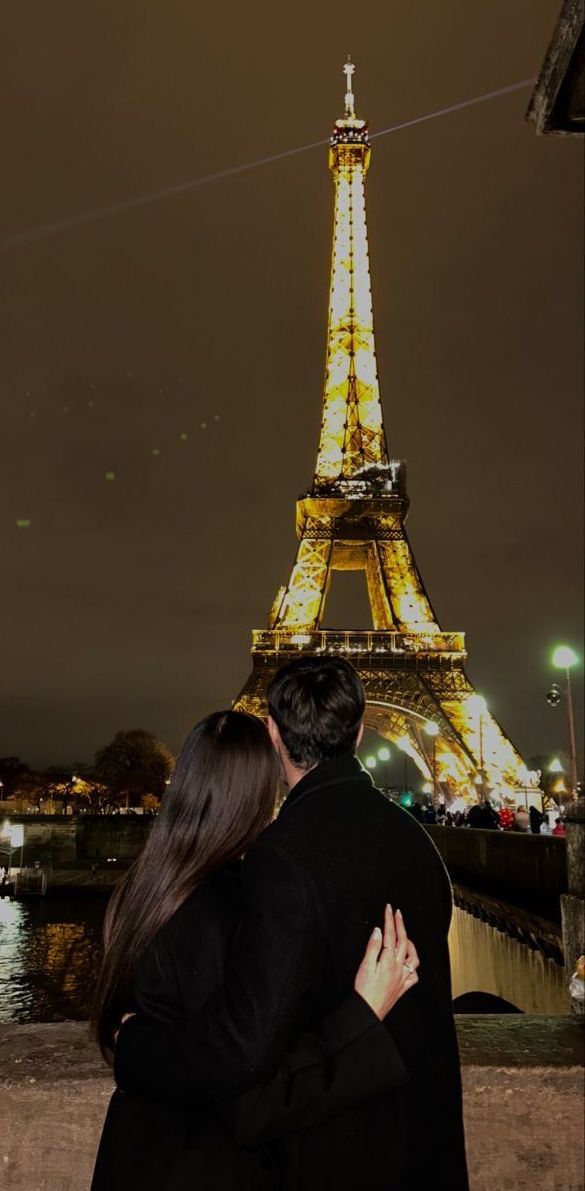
(49,950)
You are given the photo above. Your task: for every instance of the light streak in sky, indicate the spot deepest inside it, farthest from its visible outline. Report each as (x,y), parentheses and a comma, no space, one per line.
(46,230)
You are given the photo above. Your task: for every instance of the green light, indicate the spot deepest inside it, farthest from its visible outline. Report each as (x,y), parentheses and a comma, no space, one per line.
(564,657)
(384,754)
(370,762)
(23,523)
(406,799)
(555,766)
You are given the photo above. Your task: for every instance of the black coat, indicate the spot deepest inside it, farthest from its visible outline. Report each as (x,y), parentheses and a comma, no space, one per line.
(149,1144)
(313,887)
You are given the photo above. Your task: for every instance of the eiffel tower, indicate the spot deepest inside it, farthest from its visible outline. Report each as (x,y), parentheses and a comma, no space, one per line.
(418,694)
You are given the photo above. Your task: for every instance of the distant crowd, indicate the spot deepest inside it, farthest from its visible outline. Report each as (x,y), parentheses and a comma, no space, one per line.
(487,817)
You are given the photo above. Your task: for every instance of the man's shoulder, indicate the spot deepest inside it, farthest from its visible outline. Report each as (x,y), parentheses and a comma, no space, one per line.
(338,822)
(275,855)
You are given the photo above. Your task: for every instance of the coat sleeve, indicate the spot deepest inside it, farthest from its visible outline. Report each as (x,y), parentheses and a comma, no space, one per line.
(277,958)
(348,1059)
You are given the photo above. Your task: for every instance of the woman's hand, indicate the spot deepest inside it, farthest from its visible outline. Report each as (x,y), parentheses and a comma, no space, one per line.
(388,968)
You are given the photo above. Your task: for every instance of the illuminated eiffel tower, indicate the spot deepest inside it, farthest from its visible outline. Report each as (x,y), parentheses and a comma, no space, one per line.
(418,694)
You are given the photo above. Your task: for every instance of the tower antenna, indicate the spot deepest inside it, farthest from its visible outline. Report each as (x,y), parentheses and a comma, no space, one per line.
(349,70)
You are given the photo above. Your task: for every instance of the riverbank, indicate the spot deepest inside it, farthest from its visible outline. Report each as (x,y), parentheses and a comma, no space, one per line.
(522,1080)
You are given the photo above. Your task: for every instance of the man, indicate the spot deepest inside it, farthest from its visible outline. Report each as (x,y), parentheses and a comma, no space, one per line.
(314,885)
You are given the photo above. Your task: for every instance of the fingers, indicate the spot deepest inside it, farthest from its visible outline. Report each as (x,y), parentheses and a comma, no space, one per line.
(401,936)
(374,947)
(412,955)
(402,940)
(389,929)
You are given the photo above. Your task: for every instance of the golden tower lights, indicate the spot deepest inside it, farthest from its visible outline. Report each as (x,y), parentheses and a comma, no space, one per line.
(353,519)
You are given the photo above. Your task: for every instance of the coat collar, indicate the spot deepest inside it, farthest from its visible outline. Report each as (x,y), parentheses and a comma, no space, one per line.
(328,773)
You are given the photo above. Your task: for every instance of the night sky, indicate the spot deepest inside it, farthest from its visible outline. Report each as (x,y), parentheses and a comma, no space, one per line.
(128,602)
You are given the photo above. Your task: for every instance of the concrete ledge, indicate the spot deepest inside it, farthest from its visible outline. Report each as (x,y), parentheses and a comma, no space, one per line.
(523,1091)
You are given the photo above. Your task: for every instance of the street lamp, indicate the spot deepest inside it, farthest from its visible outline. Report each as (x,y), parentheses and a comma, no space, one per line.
(555,766)
(524,776)
(14,833)
(432,730)
(403,743)
(478,705)
(371,762)
(383,757)
(563,658)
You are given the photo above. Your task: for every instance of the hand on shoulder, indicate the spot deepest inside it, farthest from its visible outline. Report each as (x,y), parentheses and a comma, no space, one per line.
(389,967)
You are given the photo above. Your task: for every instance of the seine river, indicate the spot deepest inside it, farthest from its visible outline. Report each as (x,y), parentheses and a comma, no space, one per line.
(49,949)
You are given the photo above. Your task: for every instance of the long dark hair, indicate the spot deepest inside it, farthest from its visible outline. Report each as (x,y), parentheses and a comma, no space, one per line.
(221,796)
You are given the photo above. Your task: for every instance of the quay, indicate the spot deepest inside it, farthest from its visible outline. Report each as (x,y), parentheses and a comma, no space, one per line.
(522,1082)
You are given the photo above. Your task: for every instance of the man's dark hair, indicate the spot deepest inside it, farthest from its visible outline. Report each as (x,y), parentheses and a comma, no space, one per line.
(317,705)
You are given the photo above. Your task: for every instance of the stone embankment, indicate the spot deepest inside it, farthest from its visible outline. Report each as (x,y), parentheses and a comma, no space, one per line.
(522,1079)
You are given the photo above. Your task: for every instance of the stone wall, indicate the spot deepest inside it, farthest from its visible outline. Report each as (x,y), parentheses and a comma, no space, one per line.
(61,840)
(526,870)
(522,1078)
(522,869)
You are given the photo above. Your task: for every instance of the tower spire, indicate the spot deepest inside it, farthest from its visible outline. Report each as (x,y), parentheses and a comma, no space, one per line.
(349,70)
(352,430)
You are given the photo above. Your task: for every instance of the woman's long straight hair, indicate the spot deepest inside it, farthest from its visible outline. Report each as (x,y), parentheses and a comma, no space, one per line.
(221,796)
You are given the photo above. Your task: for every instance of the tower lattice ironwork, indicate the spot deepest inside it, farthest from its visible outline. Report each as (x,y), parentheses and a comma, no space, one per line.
(353,519)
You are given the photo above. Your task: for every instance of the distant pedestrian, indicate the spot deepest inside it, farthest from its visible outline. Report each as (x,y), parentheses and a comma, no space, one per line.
(559,828)
(506,817)
(521,819)
(474,815)
(489,819)
(536,820)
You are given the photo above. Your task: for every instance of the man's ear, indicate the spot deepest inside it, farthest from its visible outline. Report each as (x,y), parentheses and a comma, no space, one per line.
(360,735)
(274,733)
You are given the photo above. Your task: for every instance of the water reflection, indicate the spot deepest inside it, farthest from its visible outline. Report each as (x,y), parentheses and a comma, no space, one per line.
(48,957)
(49,952)
(486,959)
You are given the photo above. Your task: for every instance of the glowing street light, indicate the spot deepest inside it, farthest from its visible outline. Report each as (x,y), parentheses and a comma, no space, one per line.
(14,833)
(371,762)
(555,766)
(478,706)
(384,754)
(432,730)
(563,658)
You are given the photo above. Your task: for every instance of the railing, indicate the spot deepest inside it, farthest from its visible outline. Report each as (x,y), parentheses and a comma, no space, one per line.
(365,642)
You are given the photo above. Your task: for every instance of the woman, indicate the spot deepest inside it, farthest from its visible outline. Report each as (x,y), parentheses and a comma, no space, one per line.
(167,932)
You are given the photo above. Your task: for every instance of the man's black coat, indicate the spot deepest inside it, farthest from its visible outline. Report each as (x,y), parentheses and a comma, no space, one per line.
(314,885)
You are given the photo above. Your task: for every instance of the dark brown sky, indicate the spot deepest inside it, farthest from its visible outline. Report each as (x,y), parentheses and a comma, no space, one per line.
(130,603)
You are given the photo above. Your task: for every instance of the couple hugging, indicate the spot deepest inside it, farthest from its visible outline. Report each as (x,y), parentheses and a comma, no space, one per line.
(255,1046)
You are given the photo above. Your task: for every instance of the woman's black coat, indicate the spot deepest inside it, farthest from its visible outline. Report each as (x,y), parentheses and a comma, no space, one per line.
(313,886)
(147,1144)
